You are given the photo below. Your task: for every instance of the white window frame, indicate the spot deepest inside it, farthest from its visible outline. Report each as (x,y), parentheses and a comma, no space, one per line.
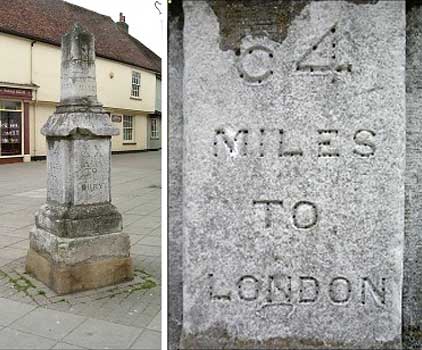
(128,119)
(136,84)
(155,130)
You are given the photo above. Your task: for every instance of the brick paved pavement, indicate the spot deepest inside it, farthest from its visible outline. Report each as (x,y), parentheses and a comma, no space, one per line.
(117,317)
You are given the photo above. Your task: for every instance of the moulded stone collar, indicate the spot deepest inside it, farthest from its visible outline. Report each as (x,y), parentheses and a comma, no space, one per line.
(66,124)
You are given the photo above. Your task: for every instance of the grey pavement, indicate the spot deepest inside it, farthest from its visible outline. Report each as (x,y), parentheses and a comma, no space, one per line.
(116,317)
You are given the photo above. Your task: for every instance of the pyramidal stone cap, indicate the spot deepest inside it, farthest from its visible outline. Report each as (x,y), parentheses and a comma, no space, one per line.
(79,111)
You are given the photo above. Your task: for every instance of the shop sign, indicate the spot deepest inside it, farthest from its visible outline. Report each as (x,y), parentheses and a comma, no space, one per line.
(17,93)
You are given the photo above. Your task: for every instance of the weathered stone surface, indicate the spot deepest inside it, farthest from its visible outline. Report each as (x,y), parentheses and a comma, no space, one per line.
(65,279)
(412,292)
(175,173)
(92,171)
(89,123)
(77,242)
(79,170)
(79,221)
(78,80)
(72,251)
(293,180)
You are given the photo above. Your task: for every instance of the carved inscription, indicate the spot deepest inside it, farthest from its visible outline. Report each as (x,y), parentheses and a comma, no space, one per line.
(284,151)
(340,290)
(267,206)
(235,144)
(255,64)
(309,289)
(92,180)
(326,147)
(248,287)
(365,146)
(322,56)
(304,213)
(260,143)
(220,296)
(292,154)
(300,290)
(92,187)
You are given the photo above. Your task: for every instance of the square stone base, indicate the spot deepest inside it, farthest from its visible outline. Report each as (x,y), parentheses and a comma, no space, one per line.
(64,279)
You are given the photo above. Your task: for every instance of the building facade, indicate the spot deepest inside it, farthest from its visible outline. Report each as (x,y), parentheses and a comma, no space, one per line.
(128,78)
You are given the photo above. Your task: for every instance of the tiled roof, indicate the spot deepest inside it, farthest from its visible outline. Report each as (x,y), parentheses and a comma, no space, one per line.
(48,20)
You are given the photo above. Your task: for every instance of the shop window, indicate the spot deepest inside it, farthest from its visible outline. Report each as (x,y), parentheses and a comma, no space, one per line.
(155,132)
(136,84)
(10,128)
(128,128)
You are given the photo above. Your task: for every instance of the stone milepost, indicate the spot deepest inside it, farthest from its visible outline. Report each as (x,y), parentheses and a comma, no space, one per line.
(293,174)
(77,242)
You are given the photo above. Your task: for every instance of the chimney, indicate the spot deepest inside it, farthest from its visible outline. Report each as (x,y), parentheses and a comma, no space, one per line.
(122,23)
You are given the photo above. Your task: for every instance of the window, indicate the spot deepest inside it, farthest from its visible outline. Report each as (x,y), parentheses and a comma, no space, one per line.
(127,128)
(10,128)
(136,84)
(155,133)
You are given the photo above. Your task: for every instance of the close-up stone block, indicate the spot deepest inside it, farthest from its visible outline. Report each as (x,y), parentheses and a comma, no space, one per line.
(294,123)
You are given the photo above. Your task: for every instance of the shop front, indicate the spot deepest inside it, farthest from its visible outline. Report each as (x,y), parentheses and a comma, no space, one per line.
(14,124)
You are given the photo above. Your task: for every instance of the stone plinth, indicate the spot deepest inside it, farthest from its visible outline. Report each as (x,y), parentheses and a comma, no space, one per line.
(77,242)
(293,174)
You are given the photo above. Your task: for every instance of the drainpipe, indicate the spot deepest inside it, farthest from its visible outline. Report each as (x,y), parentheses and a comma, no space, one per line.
(34,133)
(30,67)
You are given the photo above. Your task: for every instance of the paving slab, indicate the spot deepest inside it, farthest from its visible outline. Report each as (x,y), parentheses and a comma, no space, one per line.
(14,339)
(66,346)
(48,323)
(148,340)
(96,334)
(150,240)
(155,324)
(11,310)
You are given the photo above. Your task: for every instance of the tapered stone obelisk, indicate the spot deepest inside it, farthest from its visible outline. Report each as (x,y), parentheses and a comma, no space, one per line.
(77,242)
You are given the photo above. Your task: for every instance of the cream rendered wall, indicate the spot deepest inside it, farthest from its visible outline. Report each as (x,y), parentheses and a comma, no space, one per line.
(16,52)
(114,80)
(115,92)
(42,113)
(140,133)
(46,71)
